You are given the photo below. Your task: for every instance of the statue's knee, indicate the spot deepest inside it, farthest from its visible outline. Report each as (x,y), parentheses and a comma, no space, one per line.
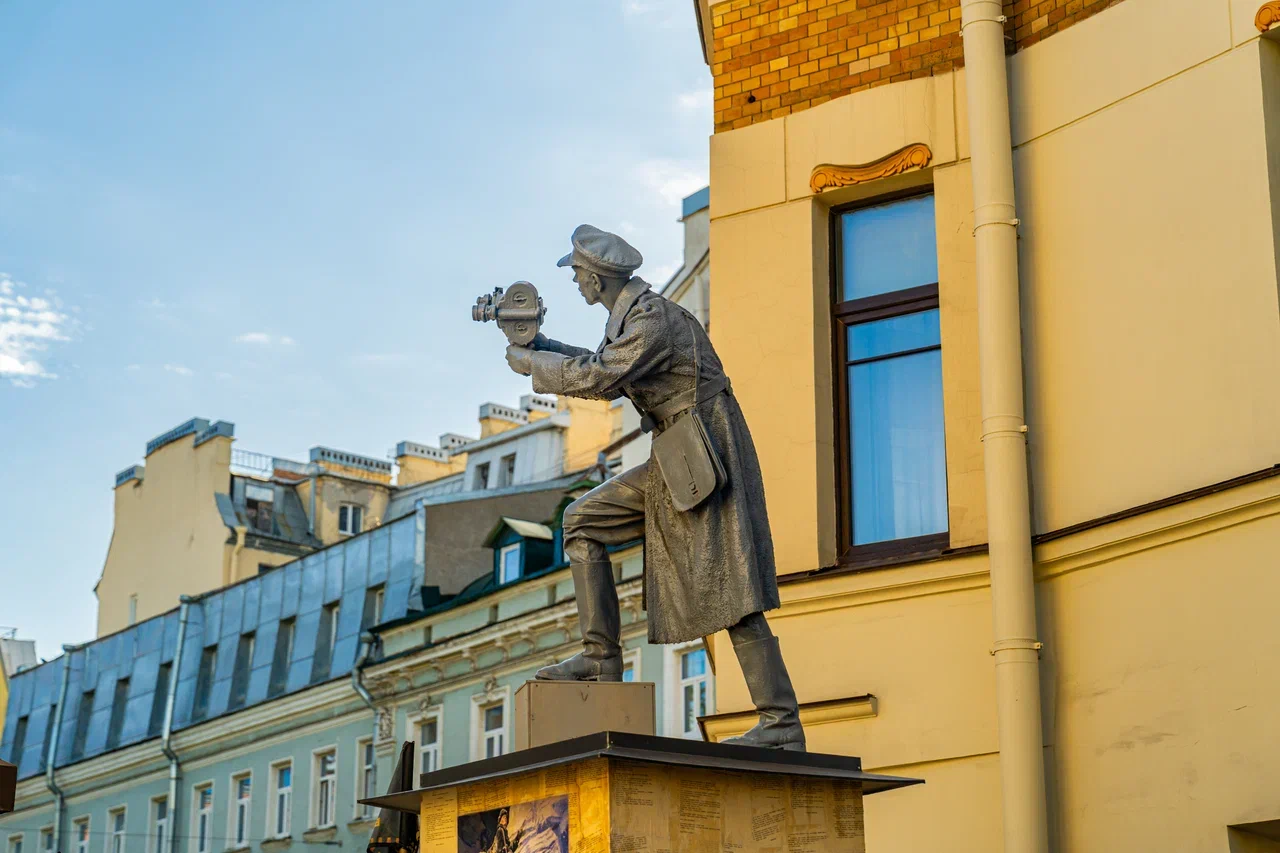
(573,518)
(581,550)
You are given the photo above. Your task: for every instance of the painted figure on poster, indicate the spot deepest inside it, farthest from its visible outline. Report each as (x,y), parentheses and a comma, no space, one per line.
(541,826)
(501,841)
(698,502)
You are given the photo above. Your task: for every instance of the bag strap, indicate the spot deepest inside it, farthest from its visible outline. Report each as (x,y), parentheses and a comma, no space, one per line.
(697,357)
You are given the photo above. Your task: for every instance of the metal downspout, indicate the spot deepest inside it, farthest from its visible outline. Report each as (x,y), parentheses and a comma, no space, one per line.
(1004,446)
(367,643)
(59,799)
(167,733)
(311,519)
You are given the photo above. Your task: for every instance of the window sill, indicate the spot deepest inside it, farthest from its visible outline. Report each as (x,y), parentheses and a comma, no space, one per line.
(242,848)
(275,845)
(360,824)
(320,834)
(884,559)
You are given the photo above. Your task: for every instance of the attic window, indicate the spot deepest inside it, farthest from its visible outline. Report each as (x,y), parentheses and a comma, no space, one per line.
(350,519)
(259,504)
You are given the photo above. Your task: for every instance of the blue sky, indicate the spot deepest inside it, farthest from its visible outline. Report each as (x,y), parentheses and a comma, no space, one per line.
(278,214)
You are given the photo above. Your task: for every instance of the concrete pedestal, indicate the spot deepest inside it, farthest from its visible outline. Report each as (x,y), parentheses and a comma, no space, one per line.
(623,793)
(552,711)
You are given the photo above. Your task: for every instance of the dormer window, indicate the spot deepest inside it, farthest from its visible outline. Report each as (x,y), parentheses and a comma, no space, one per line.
(520,548)
(259,506)
(350,519)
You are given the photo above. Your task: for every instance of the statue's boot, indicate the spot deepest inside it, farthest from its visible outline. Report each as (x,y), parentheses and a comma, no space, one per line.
(601,624)
(774,698)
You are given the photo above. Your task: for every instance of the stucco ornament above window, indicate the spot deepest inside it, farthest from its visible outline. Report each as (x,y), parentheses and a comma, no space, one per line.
(1268,16)
(829,176)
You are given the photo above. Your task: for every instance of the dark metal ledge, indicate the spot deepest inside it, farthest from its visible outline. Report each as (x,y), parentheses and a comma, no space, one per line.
(659,750)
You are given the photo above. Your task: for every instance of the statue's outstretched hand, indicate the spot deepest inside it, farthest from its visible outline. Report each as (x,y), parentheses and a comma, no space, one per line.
(520,359)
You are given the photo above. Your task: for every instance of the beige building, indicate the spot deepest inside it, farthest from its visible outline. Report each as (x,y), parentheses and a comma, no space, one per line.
(997,289)
(199,514)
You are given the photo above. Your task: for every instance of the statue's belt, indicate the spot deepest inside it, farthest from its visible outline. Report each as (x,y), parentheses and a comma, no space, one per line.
(682,402)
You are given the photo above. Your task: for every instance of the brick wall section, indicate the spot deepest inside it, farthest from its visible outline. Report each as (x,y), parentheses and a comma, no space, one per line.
(771,58)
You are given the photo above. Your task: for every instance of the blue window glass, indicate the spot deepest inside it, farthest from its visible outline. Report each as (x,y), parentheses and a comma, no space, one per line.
(897,448)
(509,564)
(896,459)
(888,247)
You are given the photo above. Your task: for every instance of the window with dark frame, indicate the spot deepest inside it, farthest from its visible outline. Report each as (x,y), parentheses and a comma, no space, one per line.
(482,476)
(280,657)
(48,735)
(204,682)
(259,506)
(240,673)
(19,740)
(507,471)
(374,597)
(83,713)
(116,723)
(325,636)
(888,351)
(159,700)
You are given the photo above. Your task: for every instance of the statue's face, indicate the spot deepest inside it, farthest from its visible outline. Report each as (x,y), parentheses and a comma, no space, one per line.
(503,819)
(588,284)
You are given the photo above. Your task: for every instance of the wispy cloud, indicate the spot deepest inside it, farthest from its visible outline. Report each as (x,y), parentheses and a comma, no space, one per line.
(28,324)
(265,339)
(672,180)
(695,101)
(664,14)
(133,367)
(179,369)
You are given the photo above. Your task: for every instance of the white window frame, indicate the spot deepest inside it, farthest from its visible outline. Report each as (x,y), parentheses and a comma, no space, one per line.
(81,845)
(157,835)
(14,843)
(317,784)
(502,562)
(352,509)
(673,718)
(233,811)
(133,609)
(112,833)
(273,799)
(631,658)
(358,811)
(479,703)
(435,712)
(196,811)
(379,603)
(46,832)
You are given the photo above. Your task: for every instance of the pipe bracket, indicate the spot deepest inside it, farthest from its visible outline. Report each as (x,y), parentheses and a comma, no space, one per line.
(1017,644)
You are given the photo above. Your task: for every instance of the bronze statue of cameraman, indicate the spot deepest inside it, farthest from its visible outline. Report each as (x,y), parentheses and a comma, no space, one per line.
(698,502)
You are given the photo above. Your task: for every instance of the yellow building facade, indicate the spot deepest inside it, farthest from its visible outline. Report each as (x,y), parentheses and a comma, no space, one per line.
(1144,137)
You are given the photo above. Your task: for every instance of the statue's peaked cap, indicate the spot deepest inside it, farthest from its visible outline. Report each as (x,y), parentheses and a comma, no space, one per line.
(602,252)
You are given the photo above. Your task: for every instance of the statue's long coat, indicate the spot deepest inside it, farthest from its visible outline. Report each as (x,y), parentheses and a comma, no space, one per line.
(707,567)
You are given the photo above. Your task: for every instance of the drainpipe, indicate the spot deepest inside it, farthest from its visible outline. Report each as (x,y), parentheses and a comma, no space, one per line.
(235,554)
(167,735)
(311,519)
(1004,445)
(367,643)
(59,799)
